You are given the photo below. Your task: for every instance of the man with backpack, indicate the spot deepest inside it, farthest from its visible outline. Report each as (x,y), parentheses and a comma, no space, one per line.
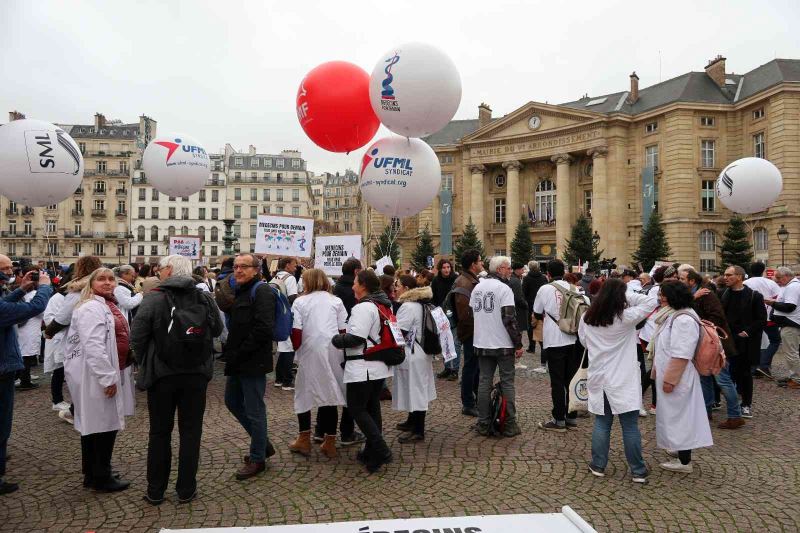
(171,337)
(497,343)
(559,345)
(471,266)
(286,283)
(248,359)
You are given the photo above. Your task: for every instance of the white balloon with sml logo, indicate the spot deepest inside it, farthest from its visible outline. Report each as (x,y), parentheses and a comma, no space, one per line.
(40,164)
(415,89)
(175,165)
(749,185)
(400,177)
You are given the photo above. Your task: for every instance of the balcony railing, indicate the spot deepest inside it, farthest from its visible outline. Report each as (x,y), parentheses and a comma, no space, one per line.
(12,212)
(99,192)
(98,212)
(106,173)
(106,153)
(121,213)
(28,211)
(17,235)
(78,191)
(122,192)
(139,180)
(215,183)
(77,212)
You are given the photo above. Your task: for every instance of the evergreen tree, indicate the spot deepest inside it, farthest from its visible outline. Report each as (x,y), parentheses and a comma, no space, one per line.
(580,246)
(653,245)
(736,248)
(468,241)
(382,247)
(522,245)
(424,249)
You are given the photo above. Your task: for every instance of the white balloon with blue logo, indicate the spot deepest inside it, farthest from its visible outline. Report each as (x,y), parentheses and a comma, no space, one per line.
(749,185)
(176,165)
(400,177)
(415,89)
(40,164)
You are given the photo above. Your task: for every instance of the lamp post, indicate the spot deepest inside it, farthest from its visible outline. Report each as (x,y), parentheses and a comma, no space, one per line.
(595,242)
(783,236)
(228,237)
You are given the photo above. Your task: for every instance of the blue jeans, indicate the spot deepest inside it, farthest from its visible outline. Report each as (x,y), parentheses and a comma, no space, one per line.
(469,375)
(774,336)
(727,388)
(454,364)
(6,416)
(631,439)
(244,398)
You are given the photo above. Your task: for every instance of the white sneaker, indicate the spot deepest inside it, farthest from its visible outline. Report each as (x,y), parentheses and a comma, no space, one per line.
(61,406)
(540,370)
(747,412)
(17,382)
(652,410)
(643,412)
(676,466)
(520,365)
(66,416)
(35,377)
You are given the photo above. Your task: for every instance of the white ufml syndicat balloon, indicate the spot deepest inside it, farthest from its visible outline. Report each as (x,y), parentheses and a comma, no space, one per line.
(40,164)
(749,185)
(415,89)
(176,165)
(400,177)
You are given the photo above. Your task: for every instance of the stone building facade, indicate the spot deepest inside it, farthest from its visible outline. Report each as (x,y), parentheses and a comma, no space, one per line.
(549,163)
(341,202)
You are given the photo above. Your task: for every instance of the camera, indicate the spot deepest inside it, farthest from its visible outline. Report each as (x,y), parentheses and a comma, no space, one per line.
(35,276)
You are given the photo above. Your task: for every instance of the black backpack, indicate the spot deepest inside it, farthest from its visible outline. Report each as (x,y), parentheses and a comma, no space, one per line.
(449,303)
(184,338)
(430,333)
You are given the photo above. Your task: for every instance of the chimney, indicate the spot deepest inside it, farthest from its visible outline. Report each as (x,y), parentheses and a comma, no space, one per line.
(15,115)
(99,121)
(251,150)
(716,70)
(634,96)
(484,115)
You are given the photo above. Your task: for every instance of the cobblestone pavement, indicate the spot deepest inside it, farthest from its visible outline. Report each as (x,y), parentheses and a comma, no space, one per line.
(749,481)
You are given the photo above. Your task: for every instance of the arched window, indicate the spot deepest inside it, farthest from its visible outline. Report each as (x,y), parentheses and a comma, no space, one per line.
(140,231)
(546,201)
(760,240)
(184,230)
(214,234)
(708,241)
(201,232)
(154,233)
(171,231)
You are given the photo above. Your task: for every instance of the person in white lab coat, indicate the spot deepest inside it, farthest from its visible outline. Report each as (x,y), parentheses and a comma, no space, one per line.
(608,331)
(318,315)
(96,351)
(54,356)
(125,293)
(29,336)
(681,420)
(285,282)
(414,385)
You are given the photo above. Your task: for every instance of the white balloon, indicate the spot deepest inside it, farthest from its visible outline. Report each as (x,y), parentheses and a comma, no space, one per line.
(176,165)
(415,89)
(40,164)
(400,177)
(749,185)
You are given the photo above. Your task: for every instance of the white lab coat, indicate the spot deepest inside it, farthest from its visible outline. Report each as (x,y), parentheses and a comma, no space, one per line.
(613,365)
(91,364)
(413,386)
(54,348)
(291,290)
(681,419)
(319,381)
(126,302)
(29,334)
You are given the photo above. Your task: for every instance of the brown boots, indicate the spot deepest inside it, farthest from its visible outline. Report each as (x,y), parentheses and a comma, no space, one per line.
(303,445)
(731,423)
(328,447)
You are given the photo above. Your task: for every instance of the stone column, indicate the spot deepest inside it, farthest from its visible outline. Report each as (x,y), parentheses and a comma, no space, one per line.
(600,212)
(476,200)
(512,200)
(564,207)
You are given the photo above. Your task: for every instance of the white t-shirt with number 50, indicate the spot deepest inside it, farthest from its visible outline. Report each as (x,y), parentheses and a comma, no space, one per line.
(487,300)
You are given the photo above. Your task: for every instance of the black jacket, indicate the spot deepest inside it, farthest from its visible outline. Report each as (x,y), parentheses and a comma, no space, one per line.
(248,351)
(749,316)
(531,284)
(344,290)
(441,286)
(520,303)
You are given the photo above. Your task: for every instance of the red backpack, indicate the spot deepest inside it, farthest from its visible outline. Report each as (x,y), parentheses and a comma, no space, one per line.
(386,348)
(709,356)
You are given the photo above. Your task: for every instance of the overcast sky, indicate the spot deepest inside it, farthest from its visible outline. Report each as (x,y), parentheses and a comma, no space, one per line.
(228,71)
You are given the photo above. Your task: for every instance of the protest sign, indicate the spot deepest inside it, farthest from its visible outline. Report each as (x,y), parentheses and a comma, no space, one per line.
(331,251)
(185,245)
(285,236)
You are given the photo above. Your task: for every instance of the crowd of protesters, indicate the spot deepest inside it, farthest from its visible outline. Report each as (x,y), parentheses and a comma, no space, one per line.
(162,328)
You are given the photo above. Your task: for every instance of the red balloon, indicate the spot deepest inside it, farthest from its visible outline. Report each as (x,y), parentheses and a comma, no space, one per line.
(333,107)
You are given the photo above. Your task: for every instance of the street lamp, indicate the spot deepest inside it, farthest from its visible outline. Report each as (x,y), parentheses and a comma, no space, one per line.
(783,236)
(228,238)
(595,239)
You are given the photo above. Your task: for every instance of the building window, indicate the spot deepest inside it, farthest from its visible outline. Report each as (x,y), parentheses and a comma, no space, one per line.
(142,194)
(141,212)
(546,201)
(708,265)
(708,195)
(184,230)
(651,127)
(295,210)
(215,196)
(12,227)
(237,211)
(50,226)
(99,248)
(237,160)
(253,161)
(587,204)
(237,176)
(120,250)
(279,210)
(295,163)
(214,234)
(253,211)
(123,167)
(758,113)
(101,166)
(184,213)
(395,224)
(154,233)
(445,159)
(266,210)
(708,241)
(171,231)
(154,195)
(140,233)
(213,250)
(201,232)
(172,213)
(253,195)
(154,250)
(265,195)
(52,248)
(253,228)
(759,145)
(100,205)
(760,240)
(78,228)
(82,147)
(237,194)
(122,208)
(139,250)
(100,186)
(27,227)
(279,195)
(201,196)
(447,182)
(267,163)
(214,213)
(237,231)
(500,181)
(27,248)
(707,121)
(499,210)
(651,157)
(707,154)
(295,195)
(280,163)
